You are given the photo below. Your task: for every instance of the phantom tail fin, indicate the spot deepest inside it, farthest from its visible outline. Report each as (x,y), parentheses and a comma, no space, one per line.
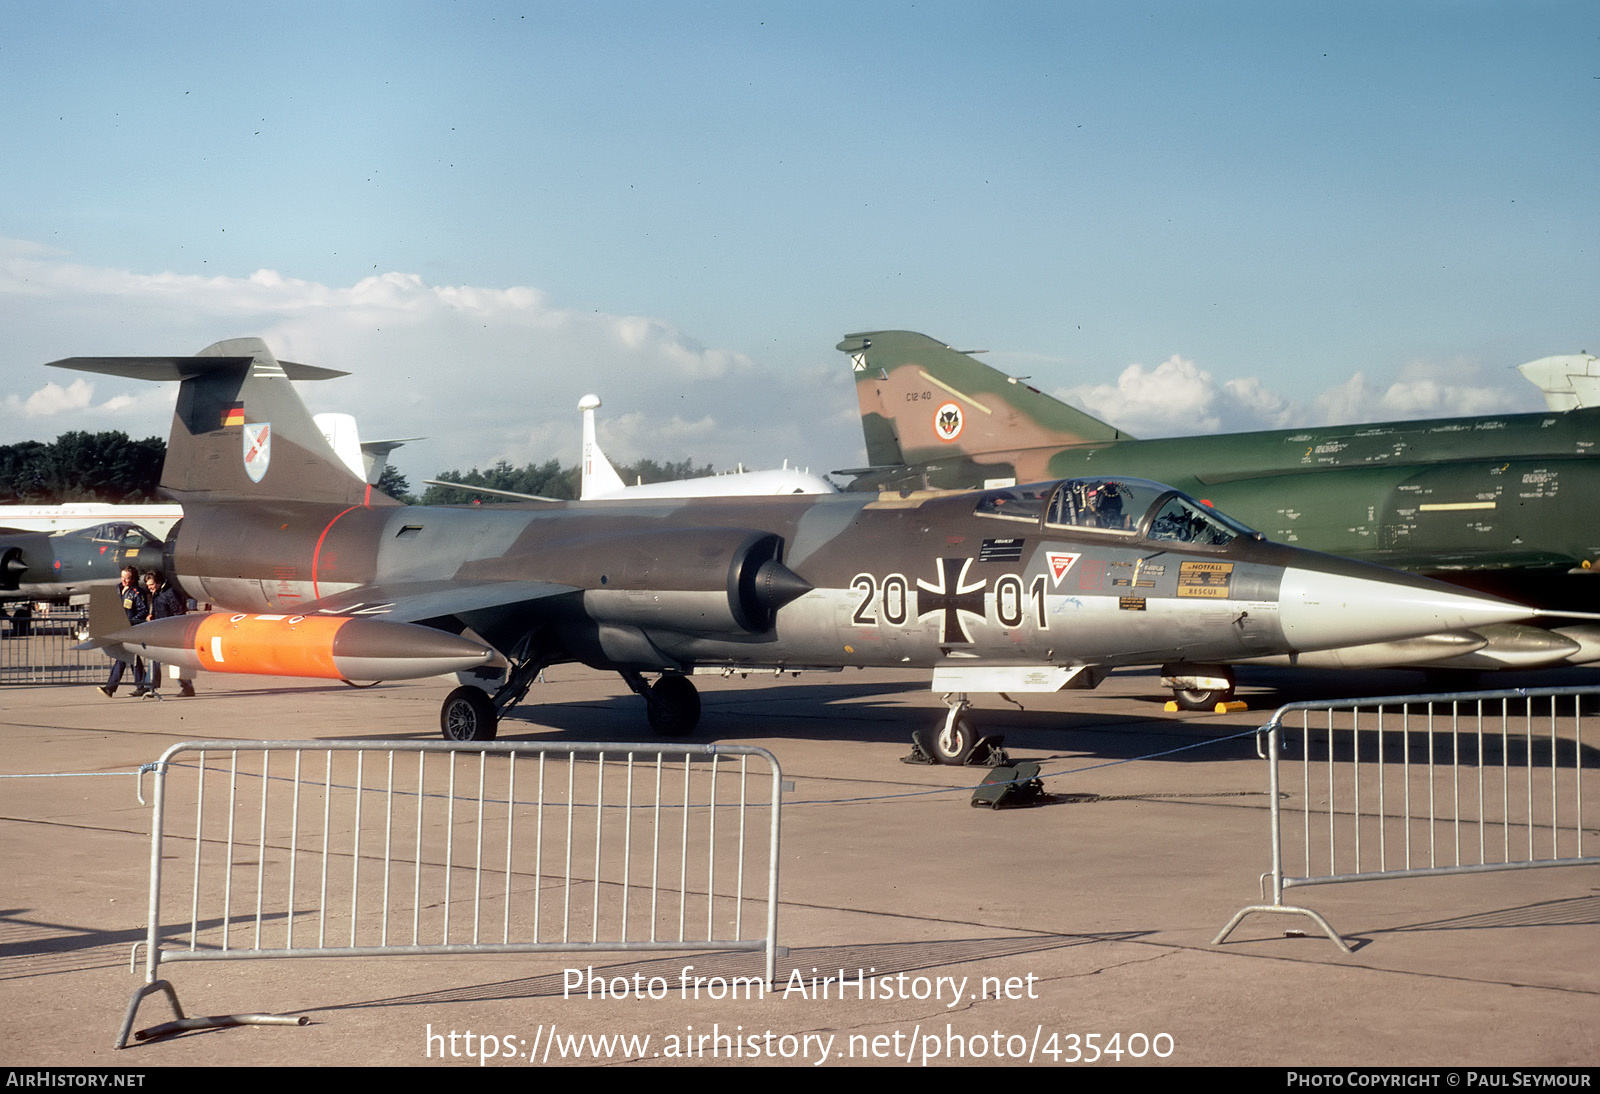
(240,431)
(923,402)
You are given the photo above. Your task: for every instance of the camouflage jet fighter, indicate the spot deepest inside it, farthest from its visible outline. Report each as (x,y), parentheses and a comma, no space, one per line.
(1497,503)
(1029,588)
(57,565)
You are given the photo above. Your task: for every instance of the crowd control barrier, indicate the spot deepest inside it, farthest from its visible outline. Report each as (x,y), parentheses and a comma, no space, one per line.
(268,849)
(1421,785)
(40,647)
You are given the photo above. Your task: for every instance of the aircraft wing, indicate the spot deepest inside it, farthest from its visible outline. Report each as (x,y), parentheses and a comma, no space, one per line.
(417,601)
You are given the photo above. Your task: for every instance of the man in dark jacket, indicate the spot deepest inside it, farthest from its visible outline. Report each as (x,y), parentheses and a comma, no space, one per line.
(164,603)
(137,610)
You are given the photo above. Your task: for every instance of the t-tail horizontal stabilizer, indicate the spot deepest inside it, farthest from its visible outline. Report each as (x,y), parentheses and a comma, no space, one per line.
(240,431)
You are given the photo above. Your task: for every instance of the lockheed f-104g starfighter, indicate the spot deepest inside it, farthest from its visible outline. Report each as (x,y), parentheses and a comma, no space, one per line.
(1025,588)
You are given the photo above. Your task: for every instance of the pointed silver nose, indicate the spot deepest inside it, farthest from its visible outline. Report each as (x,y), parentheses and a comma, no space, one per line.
(1321,610)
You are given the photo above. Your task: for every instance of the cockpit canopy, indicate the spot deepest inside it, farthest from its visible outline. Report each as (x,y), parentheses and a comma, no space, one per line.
(118,532)
(1136,508)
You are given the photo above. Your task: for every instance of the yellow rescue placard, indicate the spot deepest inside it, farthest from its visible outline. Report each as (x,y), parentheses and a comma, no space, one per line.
(1204,578)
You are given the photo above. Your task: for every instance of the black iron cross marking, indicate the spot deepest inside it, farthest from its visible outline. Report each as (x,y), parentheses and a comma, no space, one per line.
(951,596)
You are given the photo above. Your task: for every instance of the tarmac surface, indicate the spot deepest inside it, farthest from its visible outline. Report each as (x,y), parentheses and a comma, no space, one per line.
(1094,912)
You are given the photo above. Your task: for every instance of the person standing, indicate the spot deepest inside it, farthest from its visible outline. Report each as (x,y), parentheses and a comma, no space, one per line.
(164,603)
(137,609)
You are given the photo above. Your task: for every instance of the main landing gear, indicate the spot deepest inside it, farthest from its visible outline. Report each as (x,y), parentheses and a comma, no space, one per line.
(468,714)
(471,714)
(672,702)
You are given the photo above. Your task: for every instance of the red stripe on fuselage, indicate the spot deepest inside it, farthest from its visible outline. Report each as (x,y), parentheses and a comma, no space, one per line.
(316,555)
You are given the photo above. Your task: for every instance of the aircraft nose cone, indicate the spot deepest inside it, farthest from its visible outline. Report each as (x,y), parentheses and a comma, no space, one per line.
(1325,609)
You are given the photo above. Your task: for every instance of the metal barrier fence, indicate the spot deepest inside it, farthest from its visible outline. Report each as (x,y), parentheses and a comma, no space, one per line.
(359,849)
(1423,785)
(37,647)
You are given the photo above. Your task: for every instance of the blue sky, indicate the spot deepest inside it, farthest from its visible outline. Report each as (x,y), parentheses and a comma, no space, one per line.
(1185,216)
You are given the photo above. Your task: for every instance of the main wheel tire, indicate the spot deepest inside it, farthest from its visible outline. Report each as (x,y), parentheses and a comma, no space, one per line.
(1200,698)
(954,740)
(674,706)
(468,715)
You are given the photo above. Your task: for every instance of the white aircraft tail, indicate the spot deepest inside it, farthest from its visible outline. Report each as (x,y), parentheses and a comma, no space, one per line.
(1569,381)
(599,478)
(364,458)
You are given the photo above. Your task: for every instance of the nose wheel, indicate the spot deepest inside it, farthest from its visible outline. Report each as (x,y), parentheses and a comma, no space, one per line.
(955,742)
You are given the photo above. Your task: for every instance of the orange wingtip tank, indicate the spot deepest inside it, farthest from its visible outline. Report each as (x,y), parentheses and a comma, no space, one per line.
(315,646)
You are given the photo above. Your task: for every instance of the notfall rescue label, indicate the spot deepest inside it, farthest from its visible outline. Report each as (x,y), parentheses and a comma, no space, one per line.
(1209,579)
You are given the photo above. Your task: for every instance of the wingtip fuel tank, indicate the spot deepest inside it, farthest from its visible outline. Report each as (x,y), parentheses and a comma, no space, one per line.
(315,647)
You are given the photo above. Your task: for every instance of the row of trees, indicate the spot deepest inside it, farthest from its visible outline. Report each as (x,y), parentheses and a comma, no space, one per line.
(110,467)
(105,467)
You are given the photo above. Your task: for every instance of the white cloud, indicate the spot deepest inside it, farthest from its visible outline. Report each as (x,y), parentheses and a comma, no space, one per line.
(483,373)
(486,374)
(1175,397)
(1178,397)
(53,399)
(76,398)
(1258,407)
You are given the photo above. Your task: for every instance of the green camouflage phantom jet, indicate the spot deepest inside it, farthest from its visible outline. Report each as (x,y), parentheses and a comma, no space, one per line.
(1500,503)
(1028,588)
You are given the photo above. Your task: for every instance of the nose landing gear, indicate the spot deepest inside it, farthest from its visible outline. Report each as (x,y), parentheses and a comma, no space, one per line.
(956,742)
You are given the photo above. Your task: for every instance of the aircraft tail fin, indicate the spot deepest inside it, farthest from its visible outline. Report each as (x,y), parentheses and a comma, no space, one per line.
(368,459)
(240,430)
(1568,381)
(599,478)
(923,402)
